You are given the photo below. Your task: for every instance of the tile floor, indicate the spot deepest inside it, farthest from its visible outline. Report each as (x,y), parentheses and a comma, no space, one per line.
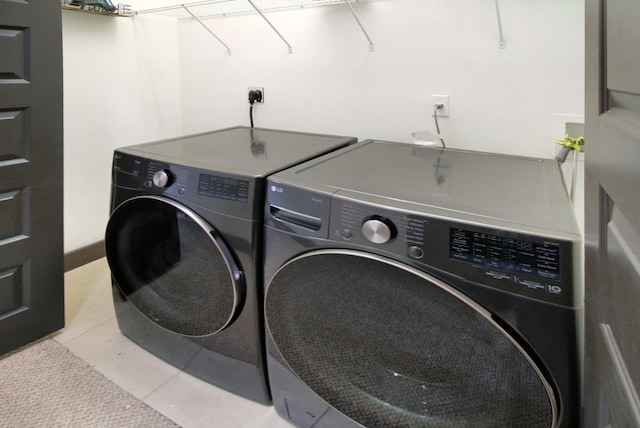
(92,333)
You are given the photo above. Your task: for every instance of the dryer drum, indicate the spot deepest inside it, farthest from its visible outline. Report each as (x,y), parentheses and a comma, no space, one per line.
(390,346)
(172,267)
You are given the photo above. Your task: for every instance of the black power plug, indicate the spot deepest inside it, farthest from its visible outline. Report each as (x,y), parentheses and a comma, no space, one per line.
(255,96)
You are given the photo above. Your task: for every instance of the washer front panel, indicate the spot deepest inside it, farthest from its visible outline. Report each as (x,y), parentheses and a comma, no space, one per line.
(171,265)
(533,265)
(388,345)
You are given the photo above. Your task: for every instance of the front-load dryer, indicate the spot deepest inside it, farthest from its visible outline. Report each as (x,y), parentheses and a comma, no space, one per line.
(409,286)
(184,245)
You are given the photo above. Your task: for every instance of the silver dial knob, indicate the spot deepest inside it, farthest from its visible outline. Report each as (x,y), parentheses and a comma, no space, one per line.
(378,230)
(163,178)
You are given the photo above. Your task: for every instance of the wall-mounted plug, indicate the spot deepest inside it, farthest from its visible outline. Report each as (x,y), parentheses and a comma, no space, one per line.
(255,94)
(443,101)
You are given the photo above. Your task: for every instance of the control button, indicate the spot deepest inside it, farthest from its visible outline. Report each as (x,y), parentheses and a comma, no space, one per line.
(378,229)
(163,178)
(415,252)
(181,191)
(346,234)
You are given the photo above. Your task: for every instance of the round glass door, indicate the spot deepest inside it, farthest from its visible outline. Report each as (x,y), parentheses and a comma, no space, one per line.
(390,346)
(173,266)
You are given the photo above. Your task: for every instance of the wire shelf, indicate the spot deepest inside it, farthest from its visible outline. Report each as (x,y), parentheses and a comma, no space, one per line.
(219,8)
(216,8)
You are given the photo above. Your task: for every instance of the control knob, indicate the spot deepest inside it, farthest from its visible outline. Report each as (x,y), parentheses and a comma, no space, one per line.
(163,178)
(378,229)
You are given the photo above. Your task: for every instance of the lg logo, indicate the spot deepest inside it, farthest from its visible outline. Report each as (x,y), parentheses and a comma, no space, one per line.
(276,189)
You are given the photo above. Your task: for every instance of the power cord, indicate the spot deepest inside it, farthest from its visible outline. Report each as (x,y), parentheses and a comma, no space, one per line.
(437,107)
(254,96)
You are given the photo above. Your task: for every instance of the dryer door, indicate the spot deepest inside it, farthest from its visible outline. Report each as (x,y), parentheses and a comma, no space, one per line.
(389,346)
(173,266)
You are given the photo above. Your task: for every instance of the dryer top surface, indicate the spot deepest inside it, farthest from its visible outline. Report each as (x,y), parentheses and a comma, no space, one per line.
(247,151)
(523,190)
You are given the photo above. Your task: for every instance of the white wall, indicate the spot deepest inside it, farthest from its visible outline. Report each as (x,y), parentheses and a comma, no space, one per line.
(132,80)
(121,87)
(501,100)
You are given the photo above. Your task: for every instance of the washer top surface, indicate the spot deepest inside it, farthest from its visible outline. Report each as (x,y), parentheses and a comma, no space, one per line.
(241,150)
(523,190)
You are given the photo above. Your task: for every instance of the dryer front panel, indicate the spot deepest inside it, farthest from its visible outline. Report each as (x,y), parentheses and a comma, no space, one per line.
(173,266)
(386,345)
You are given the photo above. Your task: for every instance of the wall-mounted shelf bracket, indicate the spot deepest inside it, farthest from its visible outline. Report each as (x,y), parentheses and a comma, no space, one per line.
(206,28)
(219,10)
(353,12)
(502,43)
(271,25)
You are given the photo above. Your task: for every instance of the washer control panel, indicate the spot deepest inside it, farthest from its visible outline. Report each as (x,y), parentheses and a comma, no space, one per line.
(402,233)
(536,266)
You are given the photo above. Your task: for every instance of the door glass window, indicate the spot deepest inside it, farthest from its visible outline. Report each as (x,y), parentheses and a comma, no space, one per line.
(170,266)
(389,347)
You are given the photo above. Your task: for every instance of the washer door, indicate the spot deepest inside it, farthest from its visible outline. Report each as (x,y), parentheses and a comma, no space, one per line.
(390,346)
(172,266)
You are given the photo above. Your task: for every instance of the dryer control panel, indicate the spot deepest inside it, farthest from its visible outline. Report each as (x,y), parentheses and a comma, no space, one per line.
(221,192)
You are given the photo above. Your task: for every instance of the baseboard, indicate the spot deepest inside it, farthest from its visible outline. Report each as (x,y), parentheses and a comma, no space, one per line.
(84,255)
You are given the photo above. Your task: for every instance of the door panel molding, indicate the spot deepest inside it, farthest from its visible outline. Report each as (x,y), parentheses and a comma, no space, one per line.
(622,393)
(31,178)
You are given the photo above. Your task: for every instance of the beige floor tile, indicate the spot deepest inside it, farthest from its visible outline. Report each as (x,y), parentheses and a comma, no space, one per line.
(193,403)
(92,333)
(121,360)
(88,301)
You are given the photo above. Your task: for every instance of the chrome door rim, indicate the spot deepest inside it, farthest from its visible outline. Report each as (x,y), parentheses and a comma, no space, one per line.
(234,272)
(432,280)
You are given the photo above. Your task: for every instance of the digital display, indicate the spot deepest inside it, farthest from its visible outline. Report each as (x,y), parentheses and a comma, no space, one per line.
(228,188)
(541,259)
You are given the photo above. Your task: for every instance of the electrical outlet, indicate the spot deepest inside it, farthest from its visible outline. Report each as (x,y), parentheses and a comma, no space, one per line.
(257,88)
(441,99)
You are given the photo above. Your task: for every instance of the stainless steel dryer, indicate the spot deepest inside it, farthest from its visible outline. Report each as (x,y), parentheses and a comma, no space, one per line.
(413,287)
(184,244)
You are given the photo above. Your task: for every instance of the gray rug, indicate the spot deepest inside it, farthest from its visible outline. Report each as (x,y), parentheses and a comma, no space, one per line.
(45,385)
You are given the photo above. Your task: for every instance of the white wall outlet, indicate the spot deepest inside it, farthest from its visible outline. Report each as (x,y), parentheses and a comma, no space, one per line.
(444,101)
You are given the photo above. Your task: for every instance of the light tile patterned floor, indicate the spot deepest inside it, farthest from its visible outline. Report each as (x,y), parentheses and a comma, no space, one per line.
(92,333)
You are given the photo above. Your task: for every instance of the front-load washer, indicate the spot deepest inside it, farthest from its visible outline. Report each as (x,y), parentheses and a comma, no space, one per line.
(184,245)
(409,286)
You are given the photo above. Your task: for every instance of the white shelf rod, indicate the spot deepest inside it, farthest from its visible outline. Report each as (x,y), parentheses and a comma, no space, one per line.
(271,25)
(206,28)
(353,12)
(180,6)
(502,44)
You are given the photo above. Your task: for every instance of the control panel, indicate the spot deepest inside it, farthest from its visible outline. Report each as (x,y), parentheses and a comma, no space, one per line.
(534,266)
(155,176)
(398,232)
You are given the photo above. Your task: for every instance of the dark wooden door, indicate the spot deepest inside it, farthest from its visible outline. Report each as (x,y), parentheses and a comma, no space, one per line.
(612,239)
(31,240)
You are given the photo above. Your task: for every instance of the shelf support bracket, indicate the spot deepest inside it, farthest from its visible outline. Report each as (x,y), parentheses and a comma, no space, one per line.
(502,44)
(206,28)
(353,12)
(271,25)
